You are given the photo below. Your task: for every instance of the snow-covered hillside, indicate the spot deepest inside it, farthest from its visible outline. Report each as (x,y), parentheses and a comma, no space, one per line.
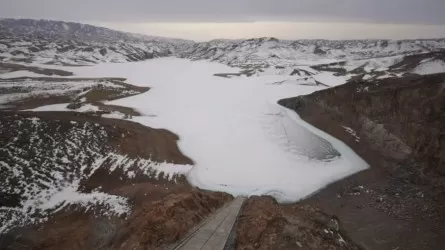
(49,160)
(318,61)
(57,42)
(67,43)
(270,52)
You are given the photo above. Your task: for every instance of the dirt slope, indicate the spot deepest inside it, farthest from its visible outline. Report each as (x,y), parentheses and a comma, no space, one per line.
(396,125)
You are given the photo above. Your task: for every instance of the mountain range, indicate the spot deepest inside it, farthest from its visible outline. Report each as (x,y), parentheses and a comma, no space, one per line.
(68,43)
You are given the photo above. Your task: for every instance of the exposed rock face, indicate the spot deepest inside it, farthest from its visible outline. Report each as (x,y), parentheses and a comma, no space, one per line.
(396,125)
(264,224)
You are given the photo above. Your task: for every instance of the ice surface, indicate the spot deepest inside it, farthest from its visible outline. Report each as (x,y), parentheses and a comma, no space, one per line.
(430,67)
(63,107)
(240,139)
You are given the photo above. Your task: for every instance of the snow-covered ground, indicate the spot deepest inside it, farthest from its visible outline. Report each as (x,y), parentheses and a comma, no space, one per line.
(240,139)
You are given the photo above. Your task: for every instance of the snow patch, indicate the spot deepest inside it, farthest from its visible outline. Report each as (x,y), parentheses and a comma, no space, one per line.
(330,79)
(52,107)
(352,133)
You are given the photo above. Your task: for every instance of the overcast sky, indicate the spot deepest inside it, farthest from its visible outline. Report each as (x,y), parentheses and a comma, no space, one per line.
(208,19)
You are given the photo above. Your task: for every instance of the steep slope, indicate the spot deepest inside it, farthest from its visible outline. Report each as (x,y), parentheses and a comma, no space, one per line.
(379,109)
(396,125)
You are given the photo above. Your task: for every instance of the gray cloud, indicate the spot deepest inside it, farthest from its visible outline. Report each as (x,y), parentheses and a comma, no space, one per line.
(371,11)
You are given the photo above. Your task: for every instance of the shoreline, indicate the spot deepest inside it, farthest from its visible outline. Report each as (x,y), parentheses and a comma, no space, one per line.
(396,203)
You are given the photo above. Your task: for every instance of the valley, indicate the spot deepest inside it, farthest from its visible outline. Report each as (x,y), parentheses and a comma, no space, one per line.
(136,139)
